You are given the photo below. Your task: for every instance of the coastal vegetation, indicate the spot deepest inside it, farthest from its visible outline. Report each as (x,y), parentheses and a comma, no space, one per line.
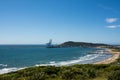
(74,72)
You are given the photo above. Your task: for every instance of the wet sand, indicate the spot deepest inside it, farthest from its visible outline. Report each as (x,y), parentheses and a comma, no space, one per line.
(115,56)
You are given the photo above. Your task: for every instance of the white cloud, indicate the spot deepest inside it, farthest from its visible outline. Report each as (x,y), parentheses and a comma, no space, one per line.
(111,20)
(113,26)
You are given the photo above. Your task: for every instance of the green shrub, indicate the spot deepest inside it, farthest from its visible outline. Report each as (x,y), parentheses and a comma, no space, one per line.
(91,73)
(67,75)
(114,75)
(51,70)
(38,76)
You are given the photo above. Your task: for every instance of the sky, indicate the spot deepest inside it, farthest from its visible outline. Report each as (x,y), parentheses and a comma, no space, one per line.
(37,21)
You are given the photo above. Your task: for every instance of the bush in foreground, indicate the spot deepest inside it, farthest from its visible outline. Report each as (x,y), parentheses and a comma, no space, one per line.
(75,72)
(114,75)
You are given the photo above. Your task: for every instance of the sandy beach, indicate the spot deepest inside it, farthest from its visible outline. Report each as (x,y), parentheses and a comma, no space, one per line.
(115,56)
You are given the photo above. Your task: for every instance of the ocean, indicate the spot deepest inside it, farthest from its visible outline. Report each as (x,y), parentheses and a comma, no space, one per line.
(16,57)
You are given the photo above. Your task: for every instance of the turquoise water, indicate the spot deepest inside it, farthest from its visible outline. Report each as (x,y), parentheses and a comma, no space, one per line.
(14,57)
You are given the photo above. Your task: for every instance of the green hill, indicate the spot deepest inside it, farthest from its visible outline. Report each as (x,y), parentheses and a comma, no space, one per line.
(80,44)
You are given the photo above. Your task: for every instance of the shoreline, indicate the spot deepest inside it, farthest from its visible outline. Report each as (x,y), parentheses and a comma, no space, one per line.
(115,56)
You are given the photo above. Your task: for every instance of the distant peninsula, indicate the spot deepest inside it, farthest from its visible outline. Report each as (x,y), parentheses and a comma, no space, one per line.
(78,44)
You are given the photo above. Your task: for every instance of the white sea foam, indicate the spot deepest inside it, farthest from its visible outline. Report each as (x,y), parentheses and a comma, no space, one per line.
(80,59)
(3,65)
(7,70)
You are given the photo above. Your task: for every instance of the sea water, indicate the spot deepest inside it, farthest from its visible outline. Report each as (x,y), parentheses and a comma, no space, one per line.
(15,57)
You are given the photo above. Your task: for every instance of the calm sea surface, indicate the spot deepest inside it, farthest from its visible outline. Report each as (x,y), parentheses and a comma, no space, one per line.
(15,57)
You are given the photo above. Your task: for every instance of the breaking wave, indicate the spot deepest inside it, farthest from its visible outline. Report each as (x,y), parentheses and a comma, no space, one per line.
(84,59)
(7,70)
(3,65)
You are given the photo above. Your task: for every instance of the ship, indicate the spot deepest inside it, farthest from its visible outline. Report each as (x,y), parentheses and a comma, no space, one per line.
(49,44)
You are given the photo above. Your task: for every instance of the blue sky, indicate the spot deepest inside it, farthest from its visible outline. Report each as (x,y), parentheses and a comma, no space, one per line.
(37,21)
